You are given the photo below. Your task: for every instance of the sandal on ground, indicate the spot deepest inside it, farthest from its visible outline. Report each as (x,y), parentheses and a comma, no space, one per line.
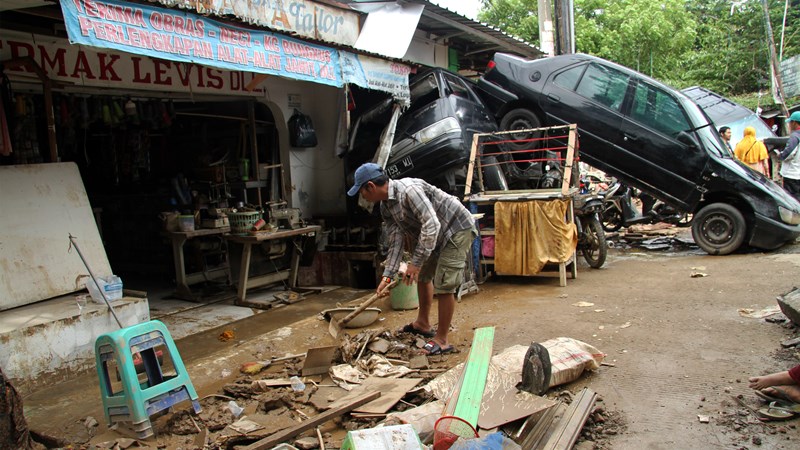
(774,412)
(778,394)
(769,398)
(433,348)
(409,328)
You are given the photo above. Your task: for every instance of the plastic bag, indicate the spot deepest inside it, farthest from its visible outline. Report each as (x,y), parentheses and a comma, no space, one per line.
(301,130)
(111,285)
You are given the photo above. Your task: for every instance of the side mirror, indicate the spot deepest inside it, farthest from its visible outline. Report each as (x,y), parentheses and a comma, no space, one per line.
(688,139)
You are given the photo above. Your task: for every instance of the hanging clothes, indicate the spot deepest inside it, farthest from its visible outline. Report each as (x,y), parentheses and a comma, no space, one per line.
(752,152)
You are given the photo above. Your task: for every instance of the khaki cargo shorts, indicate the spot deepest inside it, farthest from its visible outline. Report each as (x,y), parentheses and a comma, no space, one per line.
(446,269)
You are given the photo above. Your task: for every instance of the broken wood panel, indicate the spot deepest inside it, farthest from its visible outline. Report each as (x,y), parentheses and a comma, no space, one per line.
(535,427)
(468,405)
(282,436)
(318,360)
(568,429)
(391,389)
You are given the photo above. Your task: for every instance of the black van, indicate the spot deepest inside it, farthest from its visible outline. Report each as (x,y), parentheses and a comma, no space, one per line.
(433,137)
(650,136)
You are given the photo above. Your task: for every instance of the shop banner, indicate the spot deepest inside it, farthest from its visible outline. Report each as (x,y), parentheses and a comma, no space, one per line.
(377,74)
(303,17)
(186,37)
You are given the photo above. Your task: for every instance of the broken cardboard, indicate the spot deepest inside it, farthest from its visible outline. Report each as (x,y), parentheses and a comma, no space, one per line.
(391,389)
(318,360)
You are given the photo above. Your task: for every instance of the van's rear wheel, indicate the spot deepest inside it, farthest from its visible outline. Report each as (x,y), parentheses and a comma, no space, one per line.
(719,229)
(521,119)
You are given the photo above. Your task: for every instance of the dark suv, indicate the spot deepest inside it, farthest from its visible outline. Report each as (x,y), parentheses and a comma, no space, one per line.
(433,138)
(650,136)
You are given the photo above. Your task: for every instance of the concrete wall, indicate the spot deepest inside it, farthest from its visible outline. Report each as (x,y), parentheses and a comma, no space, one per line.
(316,177)
(54,338)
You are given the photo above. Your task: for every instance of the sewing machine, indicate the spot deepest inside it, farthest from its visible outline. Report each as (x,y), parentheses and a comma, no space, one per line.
(281,216)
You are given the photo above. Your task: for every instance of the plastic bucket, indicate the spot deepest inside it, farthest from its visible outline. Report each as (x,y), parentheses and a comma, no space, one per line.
(186,222)
(404,296)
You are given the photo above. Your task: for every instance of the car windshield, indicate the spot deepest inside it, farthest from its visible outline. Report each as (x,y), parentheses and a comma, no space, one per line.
(737,128)
(703,128)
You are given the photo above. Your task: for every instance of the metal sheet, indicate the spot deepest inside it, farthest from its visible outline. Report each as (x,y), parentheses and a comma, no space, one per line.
(42,204)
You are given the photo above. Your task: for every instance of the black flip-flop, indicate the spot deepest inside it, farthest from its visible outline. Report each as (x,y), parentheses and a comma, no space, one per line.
(433,348)
(409,328)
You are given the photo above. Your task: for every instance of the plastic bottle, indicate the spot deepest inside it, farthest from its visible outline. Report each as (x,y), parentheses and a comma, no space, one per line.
(297,384)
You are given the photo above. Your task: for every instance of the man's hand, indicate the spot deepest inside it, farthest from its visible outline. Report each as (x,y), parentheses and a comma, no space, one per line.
(412,273)
(382,291)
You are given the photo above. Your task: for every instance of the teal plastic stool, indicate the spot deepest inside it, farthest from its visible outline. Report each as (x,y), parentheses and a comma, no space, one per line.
(138,399)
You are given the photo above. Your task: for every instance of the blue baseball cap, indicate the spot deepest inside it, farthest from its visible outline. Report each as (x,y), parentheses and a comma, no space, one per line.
(366,172)
(795,117)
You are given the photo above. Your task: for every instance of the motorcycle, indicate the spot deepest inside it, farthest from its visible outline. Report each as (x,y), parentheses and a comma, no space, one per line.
(591,239)
(619,210)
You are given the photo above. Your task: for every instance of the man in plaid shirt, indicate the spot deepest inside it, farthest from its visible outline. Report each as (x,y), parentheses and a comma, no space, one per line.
(438,231)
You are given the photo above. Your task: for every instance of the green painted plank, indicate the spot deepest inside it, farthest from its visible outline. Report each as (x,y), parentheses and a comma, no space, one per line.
(468,405)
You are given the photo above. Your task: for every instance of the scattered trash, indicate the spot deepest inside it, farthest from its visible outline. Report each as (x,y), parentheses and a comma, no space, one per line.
(698,268)
(225,373)
(297,384)
(398,437)
(226,336)
(583,304)
(703,419)
(625,325)
(698,275)
(245,426)
(235,409)
(599,310)
(753,314)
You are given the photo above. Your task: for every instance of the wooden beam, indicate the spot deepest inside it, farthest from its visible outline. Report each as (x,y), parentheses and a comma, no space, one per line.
(567,430)
(282,436)
(468,405)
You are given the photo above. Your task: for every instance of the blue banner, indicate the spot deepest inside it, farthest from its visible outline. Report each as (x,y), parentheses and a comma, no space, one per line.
(186,37)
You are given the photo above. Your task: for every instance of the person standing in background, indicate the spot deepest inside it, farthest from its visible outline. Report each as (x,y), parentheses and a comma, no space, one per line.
(790,169)
(753,152)
(725,134)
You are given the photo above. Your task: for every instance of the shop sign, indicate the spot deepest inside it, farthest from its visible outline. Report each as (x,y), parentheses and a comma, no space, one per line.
(74,65)
(186,37)
(377,74)
(790,75)
(305,18)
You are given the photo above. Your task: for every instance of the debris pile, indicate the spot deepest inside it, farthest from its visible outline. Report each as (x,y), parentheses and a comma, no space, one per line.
(337,396)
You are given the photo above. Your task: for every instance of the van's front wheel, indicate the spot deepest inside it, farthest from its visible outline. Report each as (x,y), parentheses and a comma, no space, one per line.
(719,229)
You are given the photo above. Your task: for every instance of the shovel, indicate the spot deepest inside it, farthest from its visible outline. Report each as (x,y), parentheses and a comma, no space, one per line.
(336,326)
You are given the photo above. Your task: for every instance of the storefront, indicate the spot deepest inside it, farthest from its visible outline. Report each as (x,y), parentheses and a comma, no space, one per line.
(170,112)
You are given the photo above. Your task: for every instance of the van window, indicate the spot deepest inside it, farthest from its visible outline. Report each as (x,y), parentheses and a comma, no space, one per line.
(423,93)
(569,78)
(654,108)
(604,85)
(457,87)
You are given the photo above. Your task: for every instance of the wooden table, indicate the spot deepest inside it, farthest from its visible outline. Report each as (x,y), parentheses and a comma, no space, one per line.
(247,241)
(182,279)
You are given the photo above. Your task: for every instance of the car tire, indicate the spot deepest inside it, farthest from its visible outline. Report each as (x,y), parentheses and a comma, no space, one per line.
(520,119)
(493,177)
(719,229)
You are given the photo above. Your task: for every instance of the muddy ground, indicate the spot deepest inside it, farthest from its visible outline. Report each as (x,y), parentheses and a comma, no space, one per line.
(678,346)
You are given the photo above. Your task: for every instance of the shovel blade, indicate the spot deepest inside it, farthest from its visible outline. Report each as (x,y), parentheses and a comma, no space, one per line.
(333,328)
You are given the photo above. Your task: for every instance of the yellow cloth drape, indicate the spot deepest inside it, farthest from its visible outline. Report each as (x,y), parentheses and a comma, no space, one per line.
(530,234)
(749,150)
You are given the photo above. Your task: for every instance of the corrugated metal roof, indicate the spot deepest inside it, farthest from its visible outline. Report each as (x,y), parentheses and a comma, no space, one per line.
(475,41)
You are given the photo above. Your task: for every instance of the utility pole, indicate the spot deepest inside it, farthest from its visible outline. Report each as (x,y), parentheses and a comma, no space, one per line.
(775,65)
(565,26)
(546,40)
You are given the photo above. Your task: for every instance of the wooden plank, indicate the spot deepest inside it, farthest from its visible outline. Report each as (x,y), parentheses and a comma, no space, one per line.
(534,428)
(468,405)
(565,183)
(391,389)
(285,435)
(471,168)
(567,430)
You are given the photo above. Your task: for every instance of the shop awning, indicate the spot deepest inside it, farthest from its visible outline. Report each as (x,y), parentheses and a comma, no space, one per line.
(187,37)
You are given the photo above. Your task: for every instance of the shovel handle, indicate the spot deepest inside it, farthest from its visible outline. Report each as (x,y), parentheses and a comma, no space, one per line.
(364,305)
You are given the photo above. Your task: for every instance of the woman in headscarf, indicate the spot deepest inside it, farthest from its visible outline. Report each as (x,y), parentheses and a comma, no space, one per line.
(753,152)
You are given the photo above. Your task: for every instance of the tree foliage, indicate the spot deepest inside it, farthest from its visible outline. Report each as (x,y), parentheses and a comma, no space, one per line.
(719,44)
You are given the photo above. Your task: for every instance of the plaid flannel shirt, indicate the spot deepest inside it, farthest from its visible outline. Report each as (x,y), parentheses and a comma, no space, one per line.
(421,213)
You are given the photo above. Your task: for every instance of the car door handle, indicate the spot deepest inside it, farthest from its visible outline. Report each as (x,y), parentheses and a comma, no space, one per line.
(553,97)
(627,137)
